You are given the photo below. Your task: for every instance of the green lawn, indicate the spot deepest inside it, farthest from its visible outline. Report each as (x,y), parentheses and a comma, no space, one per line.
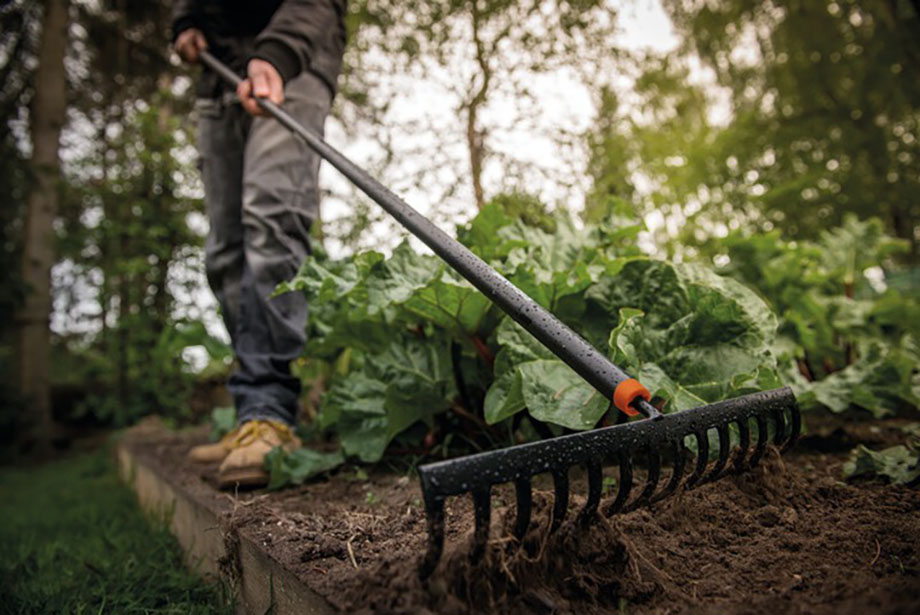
(73,540)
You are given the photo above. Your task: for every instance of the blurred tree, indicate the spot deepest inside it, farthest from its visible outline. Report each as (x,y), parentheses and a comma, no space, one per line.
(126,235)
(823,100)
(123,62)
(126,244)
(650,151)
(20,25)
(110,222)
(47,116)
(484,58)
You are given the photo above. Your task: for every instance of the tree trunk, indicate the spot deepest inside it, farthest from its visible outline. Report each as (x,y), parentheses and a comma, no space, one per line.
(475,136)
(124,277)
(48,114)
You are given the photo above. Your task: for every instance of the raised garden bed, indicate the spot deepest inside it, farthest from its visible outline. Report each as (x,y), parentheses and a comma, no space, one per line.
(789,537)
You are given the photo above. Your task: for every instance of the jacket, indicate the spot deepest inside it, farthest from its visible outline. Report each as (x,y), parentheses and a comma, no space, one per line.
(293,35)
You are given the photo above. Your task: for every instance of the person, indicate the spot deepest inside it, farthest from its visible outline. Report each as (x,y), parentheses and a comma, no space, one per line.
(261,196)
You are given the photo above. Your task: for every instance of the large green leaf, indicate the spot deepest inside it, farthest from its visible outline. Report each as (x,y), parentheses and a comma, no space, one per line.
(355,393)
(554,393)
(337,296)
(690,335)
(518,347)
(505,397)
(899,464)
(452,304)
(293,468)
(880,381)
(407,382)
(223,421)
(481,234)
(396,279)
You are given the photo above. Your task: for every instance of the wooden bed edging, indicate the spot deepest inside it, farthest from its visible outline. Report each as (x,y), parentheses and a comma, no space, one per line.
(261,585)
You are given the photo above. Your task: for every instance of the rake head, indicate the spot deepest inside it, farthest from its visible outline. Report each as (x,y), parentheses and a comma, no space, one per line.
(648,439)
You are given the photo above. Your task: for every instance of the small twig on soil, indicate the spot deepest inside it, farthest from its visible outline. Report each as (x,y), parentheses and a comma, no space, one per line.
(507,570)
(878,551)
(655,569)
(351,552)
(237,502)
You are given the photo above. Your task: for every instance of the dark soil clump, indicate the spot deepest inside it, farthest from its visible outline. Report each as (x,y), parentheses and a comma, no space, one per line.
(787,537)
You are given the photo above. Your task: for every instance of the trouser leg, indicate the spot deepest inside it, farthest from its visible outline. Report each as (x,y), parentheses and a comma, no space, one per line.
(280,200)
(221,142)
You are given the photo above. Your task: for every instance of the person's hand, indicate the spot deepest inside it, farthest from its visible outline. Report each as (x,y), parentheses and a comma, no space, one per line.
(264,81)
(189,44)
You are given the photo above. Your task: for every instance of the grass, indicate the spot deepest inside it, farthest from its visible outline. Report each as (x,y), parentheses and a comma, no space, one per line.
(73,540)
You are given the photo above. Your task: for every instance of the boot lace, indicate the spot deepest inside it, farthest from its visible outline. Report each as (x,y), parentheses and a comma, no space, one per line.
(250,431)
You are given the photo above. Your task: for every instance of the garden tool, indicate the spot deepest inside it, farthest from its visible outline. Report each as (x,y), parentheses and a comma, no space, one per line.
(702,432)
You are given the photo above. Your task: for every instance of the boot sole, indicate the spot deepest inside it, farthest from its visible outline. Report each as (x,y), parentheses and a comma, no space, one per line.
(242,477)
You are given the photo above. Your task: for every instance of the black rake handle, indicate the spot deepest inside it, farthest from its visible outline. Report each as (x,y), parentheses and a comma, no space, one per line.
(570,347)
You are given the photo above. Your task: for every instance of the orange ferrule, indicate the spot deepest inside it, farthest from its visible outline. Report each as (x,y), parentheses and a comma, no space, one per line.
(626,393)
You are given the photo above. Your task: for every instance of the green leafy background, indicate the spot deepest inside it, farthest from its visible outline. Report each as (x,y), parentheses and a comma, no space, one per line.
(774,313)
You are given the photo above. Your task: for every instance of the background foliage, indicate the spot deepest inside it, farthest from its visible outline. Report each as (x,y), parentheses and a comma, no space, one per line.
(817,119)
(419,356)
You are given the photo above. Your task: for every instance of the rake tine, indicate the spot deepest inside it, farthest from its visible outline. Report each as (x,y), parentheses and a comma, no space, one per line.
(679,459)
(762,439)
(780,436)
(560,498)
(595,484)
(725,444)
(744,443)
(434,510)
(482,506)
(625,486)
(796,427)
(651,480)
(702,457)
(522,491)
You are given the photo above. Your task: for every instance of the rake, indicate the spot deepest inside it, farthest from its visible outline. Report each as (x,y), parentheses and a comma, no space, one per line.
(651,438)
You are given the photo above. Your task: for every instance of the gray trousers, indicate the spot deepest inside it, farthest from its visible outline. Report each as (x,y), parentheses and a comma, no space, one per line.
(261,196)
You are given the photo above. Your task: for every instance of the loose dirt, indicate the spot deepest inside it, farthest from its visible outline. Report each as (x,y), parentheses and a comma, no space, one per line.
(787,537)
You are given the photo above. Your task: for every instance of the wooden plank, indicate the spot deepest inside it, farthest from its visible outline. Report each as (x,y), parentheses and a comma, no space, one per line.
(262,584)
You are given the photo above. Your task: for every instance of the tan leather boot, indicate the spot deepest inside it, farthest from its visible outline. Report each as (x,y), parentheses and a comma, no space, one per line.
(214,451)
(244,464)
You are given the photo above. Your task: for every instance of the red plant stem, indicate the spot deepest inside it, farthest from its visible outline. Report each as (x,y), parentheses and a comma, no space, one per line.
(803,369)
(407,451)
(463,412)
(483,349)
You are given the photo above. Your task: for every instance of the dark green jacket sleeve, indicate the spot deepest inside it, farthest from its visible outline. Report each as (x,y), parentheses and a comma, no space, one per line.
(185,15)
(302,34)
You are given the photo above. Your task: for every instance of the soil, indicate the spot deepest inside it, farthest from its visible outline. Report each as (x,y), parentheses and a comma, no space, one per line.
(788,537)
